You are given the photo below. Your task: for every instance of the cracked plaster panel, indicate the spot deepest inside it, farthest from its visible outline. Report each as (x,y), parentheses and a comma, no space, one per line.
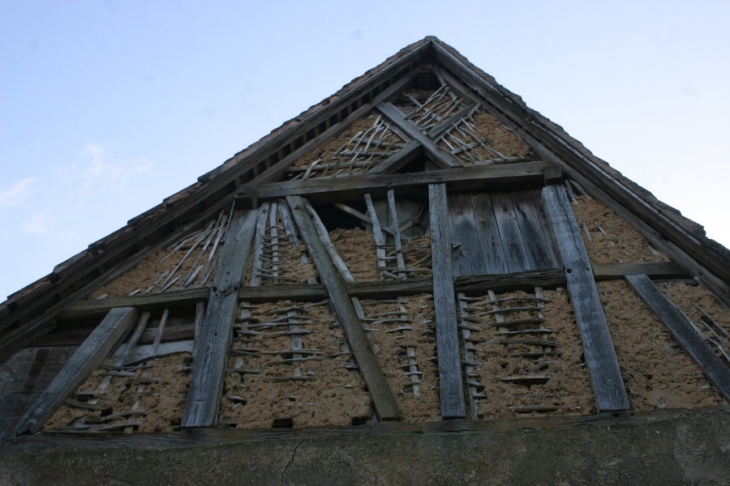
(657,373)
(609,238)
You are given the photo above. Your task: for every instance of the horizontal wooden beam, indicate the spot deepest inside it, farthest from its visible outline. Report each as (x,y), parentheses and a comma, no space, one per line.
(471,284)
(481,177)
(170,298)
(654,270)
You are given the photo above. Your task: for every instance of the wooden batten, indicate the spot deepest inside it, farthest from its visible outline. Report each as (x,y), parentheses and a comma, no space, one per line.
(600,356)
(107,335)
(211,348)
(383,400)
(684,332)
(447,338)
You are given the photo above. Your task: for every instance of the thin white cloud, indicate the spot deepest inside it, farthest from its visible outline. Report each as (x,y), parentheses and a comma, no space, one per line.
(18,193)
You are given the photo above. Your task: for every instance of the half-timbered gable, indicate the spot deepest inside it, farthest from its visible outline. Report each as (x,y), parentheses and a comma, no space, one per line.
(420,247)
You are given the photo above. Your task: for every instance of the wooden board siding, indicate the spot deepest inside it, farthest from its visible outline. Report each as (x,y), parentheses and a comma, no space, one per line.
(499,232)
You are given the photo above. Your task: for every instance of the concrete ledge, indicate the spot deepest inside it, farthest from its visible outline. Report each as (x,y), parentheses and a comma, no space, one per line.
(663,447)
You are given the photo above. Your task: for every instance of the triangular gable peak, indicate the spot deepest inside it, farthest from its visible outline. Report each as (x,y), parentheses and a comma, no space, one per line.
(419,212)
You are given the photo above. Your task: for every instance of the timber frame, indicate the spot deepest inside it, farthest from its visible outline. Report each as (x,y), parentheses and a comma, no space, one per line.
(254,178)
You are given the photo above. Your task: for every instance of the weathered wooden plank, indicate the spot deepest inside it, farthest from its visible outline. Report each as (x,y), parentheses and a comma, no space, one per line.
(480,284)
(509,232)
(655,270)
(447,338)
(468,257)
(478,177)
(600,355)
(437,154)
(405,155)
(683,331)
(170,298)
(107,335)
(527,211)
(489,239)
(211,349)
(395,231)
(383,399)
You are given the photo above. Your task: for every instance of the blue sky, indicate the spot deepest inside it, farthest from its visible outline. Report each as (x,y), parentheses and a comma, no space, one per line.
(107,107)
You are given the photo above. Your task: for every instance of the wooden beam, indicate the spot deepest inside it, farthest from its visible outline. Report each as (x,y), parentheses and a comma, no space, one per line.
(383,399)
(691,340)
(600,355)
(211,348)
(438,155)
(371,290)
(405,155)
(169,298)
(447,339)
(520,175)
(510,282)
(654,270)
(100,343)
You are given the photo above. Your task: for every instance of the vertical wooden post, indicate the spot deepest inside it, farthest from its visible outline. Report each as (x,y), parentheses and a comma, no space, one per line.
(447,338)
(100,343)
(210,352)
(600,356)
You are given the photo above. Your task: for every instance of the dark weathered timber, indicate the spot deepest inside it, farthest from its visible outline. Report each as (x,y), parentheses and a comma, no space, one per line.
(447,339)
(468,257)
(683,331)
(383,399)
(211,348)
(655,270)
(282,291)
(480,177)
(169,298)
(437,154)
(405,155)
(107,335)
(480,284)
(527,210)
(600,355)
(491,243)
(15,374)
(509,232)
